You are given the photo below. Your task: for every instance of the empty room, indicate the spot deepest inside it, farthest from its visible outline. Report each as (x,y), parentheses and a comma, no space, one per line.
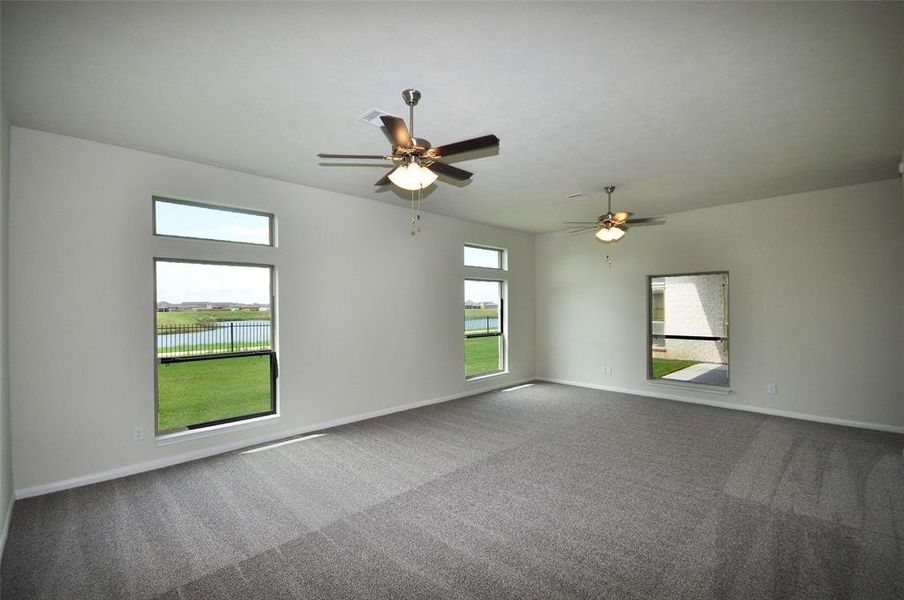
(451,300)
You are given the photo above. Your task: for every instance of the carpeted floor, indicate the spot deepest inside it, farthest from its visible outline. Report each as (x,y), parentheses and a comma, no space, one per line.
(547,491)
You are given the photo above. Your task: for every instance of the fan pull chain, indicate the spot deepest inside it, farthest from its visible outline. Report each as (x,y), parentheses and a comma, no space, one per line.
(412,213)
(415,212)
(419,211)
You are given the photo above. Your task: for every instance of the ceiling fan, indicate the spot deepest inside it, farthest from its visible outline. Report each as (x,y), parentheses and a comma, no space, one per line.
(415,164)
(611,227)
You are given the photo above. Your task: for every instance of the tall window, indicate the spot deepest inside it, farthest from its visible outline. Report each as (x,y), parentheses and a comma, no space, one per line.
(484,327)
(484,311)
(214,343)
(689,328)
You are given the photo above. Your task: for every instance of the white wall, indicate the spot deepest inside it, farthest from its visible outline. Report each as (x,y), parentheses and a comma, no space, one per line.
(81,292)
(6,477)
(815,301)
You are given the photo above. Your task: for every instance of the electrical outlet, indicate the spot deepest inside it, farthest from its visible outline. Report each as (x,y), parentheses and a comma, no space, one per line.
(771,389)
(138,433)
(607,370)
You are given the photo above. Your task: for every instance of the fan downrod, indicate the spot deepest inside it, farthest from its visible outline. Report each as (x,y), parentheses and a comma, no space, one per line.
(609,189)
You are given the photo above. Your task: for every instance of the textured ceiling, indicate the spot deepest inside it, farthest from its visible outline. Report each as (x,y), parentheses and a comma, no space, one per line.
(680,105)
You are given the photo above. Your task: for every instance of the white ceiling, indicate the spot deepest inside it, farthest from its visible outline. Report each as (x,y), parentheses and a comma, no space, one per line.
(680,105)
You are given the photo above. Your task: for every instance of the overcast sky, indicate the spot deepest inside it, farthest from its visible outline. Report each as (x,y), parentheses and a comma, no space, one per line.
(482,291)
(191,282)
(200,222)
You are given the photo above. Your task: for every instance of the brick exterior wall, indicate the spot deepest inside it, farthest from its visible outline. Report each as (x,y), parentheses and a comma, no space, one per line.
(696,305)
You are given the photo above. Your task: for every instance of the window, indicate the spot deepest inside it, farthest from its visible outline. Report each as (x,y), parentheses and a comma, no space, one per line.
(487,258)
(657,318)
(179,218)
(214,343)
(484,327)
(689,328)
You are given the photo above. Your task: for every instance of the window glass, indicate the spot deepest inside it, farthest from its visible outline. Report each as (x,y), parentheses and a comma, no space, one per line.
(483,327)
(489,258)
(214,343)
(183,219)
(689,328)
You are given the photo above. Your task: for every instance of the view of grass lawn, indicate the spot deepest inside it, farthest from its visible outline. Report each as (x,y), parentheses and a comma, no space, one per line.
(208,390)
(219,348)
(482,355)
(200,317)
(664,366)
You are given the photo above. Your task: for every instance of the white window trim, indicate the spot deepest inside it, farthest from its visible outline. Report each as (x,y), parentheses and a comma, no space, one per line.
(176,437)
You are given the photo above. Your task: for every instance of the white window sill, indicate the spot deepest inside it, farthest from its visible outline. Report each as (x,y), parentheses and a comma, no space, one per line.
(700,387)
(176,437)
(486,376)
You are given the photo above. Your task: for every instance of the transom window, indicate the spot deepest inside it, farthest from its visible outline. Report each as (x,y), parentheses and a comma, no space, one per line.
(486,258)
(180,218)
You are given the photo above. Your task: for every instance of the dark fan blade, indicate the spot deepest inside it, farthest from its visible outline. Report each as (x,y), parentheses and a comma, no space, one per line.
(450,171)
(582,229)
(397,130)
(379,156)
(580,222)
(646,221)
(477,143)
(385,179)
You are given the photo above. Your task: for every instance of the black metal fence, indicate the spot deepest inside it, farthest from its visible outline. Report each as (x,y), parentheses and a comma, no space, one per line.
(213,338)
(482,325)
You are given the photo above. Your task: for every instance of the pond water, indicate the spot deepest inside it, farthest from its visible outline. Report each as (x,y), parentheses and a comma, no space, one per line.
(239,333)
(482,323)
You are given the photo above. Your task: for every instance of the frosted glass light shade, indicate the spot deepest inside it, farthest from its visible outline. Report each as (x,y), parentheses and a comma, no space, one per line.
(412,177)
(610,234)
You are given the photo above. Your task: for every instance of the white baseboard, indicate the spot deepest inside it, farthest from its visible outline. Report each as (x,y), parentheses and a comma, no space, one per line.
(7,519)
(65,484)
(731,406)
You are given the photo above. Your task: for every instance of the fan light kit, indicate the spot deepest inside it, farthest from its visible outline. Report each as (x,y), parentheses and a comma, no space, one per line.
(613,233)
(412,177)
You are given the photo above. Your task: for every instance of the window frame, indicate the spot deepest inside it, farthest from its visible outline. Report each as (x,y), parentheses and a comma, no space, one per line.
(502,334)
(653,335)
(274,361)
(649,348)
(271,217)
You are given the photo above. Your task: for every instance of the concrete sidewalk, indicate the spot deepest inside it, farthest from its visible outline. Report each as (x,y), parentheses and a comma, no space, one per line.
(706,373)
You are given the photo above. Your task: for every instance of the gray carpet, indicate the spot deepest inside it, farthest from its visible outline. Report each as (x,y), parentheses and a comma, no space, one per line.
(543,492)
